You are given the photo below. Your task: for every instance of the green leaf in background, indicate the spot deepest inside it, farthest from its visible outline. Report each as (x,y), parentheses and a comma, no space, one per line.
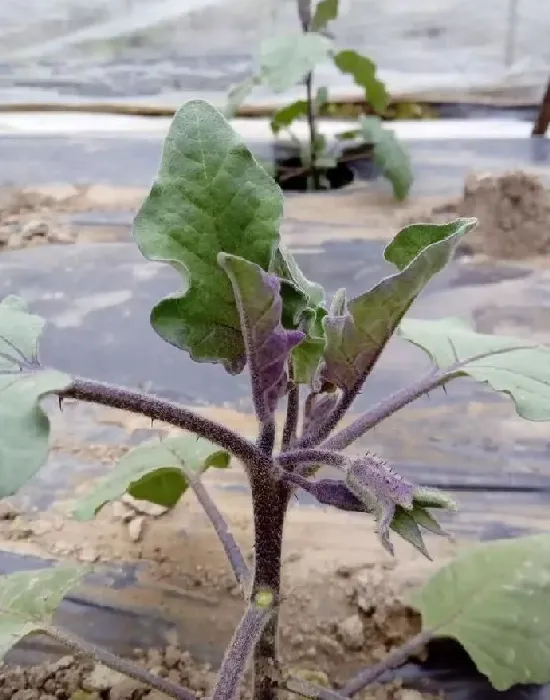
(363,72)
(288,114)
(286,61)
(210,196)
(325,12)
(238,94)
(356,337)
(29,599)
(493,599)
(389,155)
(24,426)
(152,472)
(512,366)
(268,344)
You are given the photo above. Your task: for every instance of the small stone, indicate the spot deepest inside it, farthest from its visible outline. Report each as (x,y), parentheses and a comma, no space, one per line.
(351,631)
(154,658)
(408,694)
(157,695)
(172,656)
(7,511)
(88,555)
(84,695)
(135,528)
(26,695)
(61,664)
(121,512)
(41,527)
(34,229)
(102,678)
(126,689)
(143,507)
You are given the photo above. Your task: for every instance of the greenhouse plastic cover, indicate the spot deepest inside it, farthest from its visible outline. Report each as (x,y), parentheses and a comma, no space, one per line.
(158,51)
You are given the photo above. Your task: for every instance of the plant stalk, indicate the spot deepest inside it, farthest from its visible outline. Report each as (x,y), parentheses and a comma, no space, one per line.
(270,500)
(292,417)
(395,658)
(312,126)
(228,542)
(116,663)
(238,652)
(168,412)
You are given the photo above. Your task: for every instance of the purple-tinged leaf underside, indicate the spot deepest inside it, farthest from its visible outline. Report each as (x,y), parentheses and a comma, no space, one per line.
(268,345)
(379,487)
(406,523)
(358,331)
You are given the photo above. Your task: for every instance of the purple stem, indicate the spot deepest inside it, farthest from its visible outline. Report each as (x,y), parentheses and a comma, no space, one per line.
(240,648)
(168,412)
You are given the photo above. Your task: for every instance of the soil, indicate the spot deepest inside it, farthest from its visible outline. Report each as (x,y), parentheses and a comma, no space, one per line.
(513,210)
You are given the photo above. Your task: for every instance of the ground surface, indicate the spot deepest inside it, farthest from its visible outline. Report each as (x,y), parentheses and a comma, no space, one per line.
(344,599)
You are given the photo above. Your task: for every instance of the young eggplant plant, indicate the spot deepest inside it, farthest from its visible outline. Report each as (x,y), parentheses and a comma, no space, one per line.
(288,61)
(213,214)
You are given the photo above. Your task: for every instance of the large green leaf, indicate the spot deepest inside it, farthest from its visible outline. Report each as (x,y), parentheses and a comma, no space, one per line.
(513,366)
(358,332)
(24,427)
(494,600)
(389,155)
(325,12)
(363,72)
(285,61)
(152,472)
(210,196)
(28,600)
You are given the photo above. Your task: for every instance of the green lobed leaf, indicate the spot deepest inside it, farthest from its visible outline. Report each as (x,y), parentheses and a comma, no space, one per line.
(210,196)
(356,337)
(24,426)
(389,155)
(363,72)
(325,12)
(513,366)
(493,599)
(288,114)
(285,61)
(152,472)
(28,600)
(268,345)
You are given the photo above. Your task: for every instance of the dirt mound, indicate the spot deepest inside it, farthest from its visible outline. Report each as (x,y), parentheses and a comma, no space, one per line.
(513,211)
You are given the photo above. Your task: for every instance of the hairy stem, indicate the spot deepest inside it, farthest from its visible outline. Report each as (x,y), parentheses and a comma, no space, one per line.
(270,500)
(397,657)
(168,412)
(266,438)
(310,690)
(316,437)
(292,416)
(384,409)
(240,648)
(128,668)
(309,457)
(229,543)
(312,127)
